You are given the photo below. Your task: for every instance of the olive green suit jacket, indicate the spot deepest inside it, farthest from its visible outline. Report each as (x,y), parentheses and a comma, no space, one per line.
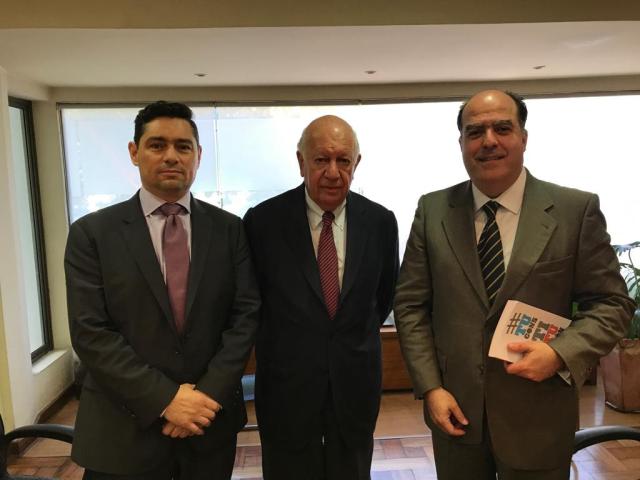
(561,255)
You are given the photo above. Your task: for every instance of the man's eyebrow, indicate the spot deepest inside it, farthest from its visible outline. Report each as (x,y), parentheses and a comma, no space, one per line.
(157,138)
(473,126)
(501,123)
(160,138)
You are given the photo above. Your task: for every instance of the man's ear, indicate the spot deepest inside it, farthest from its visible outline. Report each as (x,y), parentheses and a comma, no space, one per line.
(300,163)
(525,137)
(133,152)
(357,162)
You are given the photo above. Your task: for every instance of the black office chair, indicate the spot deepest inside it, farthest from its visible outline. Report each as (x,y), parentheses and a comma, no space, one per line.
(63,433)
(590,436)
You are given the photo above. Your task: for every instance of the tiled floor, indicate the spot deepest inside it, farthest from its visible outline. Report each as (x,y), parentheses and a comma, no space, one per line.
(402,450)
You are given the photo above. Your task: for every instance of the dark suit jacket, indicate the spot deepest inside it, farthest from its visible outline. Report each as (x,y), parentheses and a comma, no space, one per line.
(300,350)
(123,331)
(561,255)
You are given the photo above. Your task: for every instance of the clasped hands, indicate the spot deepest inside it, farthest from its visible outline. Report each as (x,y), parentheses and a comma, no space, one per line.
(189,412)
(539,362)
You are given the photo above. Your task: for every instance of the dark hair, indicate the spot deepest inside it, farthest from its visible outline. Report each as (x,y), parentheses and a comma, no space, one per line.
(163,109)
(517,99)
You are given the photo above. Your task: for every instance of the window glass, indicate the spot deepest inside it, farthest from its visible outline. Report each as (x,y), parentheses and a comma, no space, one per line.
(99,170)
(407,149)
(589,143)
(27,218)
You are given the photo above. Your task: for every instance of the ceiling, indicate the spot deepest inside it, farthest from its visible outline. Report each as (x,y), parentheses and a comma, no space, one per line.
(160,43)
(303,13)
(320,55)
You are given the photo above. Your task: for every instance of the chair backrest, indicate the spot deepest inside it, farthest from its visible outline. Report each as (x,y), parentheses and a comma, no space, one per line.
(63,433)
(3,451)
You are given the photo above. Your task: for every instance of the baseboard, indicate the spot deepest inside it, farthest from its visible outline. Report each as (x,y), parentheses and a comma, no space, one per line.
(19,446)
(56,405)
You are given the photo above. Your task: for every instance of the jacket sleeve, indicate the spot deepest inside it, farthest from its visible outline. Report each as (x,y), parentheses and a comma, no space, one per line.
(112,363)
(225,369)
(412,309)
(389,277)
(604,309)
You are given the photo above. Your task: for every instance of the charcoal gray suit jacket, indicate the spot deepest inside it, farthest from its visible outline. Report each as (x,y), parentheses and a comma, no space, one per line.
(123,331)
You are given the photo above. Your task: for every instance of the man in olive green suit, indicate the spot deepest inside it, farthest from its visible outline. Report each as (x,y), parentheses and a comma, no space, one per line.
(549,248)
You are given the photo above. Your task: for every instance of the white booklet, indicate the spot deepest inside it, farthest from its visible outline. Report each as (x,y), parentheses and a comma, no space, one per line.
(520,322)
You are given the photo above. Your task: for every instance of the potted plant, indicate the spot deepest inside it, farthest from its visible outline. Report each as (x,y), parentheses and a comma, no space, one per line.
(621,367)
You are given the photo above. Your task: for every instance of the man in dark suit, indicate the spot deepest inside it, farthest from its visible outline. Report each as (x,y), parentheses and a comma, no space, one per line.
(163,309)
(504,235)
(326,261)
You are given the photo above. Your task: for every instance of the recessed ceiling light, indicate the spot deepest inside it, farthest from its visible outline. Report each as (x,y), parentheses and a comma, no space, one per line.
(369,72)
(539,67)
(200,75)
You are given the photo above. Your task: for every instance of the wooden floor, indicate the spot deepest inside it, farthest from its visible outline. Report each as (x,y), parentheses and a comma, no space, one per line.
(402,449)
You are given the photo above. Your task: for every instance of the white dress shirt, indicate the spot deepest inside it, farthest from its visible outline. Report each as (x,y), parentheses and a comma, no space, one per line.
(314,214)
(507,216)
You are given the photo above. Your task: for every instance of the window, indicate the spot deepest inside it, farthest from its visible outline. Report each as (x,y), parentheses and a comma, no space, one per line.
(407,149)
(30,227)
(98,169)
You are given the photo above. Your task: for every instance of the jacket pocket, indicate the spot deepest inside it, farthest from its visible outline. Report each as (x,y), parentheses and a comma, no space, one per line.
(549,267)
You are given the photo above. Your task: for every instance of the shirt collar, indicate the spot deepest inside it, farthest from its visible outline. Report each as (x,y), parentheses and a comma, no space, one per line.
(314,212)
(511,198)
(150,203)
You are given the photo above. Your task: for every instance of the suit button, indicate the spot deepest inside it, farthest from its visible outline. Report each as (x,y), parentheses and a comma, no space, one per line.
(177,352)
(481,369)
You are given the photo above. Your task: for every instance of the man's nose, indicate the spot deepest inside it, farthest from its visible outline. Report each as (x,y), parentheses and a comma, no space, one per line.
(332,170)
(489,139)
(171,154)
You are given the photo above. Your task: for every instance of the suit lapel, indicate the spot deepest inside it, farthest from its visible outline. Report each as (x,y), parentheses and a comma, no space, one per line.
(460,232)
(201,231)
(136,235)
(535,228)
(356,243)
(298,237)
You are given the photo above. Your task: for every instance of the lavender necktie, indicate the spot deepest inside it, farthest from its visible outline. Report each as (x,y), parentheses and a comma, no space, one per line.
(328,265)
(176,259)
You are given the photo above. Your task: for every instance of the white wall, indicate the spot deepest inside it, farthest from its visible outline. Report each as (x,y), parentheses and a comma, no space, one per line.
(5,387)
(54,212)
(25,389)
(24,88)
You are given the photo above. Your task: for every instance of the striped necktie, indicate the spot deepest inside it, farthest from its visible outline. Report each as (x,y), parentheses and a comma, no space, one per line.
(490,252)
(328,265)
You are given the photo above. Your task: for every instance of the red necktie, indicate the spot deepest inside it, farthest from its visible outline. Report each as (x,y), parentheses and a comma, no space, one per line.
(328,265)
(176,260)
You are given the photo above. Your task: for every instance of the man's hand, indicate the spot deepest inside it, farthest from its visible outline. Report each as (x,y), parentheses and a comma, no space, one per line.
(445,412)
(538,363)
(191,410)
(171,430)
